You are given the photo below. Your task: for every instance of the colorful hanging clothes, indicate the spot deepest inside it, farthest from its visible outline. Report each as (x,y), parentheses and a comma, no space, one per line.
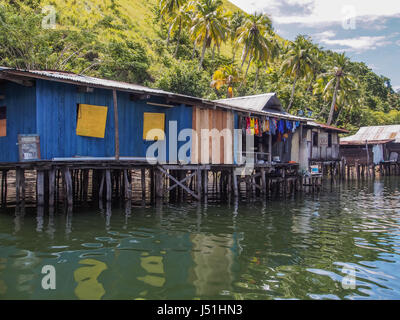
(248,131)
(289,125)
(256,127)
(281,126)
(260,127)
(272,126)
(266,125)
(285,136)
(252,126)
(294,127)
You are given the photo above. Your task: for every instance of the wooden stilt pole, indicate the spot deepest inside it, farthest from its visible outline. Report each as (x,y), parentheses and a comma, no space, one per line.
(205,183)
(68,186)
(17,185)
(108,186)
(128,186)
(143,183)
(40,188)
(235,184)
(199,190)
(52,185)
(263,182)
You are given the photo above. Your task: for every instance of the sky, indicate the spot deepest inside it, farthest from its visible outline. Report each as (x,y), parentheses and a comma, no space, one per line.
(366,30)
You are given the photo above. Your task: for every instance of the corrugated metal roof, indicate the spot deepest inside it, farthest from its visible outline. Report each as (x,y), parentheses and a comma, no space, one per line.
(267,104)
(325,126)
(363,143)
(243,104)
(377,133)
(255,102)
(85,80)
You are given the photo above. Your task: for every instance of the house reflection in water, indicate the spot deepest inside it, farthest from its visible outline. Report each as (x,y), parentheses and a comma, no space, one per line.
(214,259)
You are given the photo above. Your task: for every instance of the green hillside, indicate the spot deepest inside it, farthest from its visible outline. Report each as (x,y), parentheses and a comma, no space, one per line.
(127,40)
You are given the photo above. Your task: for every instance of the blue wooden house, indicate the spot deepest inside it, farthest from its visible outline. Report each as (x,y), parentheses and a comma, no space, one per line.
(48,104)
(78,117)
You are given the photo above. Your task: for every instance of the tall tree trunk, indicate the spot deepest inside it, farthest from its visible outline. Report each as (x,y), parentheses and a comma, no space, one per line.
(338,116)
(169,34)
(213,52)
(310,86)
(245,57)
(256,80)
(292,95)
(179,38)
(203,51)
(194,49)
(330,118)
(248,66)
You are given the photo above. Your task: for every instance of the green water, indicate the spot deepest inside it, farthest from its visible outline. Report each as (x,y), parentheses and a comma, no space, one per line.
(293,248)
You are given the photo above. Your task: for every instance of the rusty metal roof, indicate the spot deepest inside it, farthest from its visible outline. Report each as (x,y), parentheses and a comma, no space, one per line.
(363,143)
(325,126)
(382,134)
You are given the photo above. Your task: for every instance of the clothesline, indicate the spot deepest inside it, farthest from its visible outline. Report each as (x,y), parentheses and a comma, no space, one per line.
(258,127)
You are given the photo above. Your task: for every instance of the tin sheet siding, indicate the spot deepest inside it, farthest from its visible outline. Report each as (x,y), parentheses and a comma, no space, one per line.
(57,118)
(131,124)
(21,118)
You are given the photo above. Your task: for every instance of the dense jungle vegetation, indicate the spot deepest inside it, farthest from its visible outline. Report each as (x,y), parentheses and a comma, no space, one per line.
(204,48)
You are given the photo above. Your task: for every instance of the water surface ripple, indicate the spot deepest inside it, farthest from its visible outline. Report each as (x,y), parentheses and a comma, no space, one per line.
(303,247)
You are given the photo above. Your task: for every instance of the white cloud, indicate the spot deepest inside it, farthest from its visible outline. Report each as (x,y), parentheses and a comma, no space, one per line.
(324,35)
(322,11)
(358,44)
(355,44)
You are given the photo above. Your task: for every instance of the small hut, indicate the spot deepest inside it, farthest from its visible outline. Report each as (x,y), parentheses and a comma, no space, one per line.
(372,145)
(322,145)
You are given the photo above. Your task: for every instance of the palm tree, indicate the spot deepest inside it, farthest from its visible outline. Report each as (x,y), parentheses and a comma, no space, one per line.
(337,82)
(256,37)
(350,99)
(298,63)
(178,20)
(209,24)
(317,57)
(167,9)
(226,76)
(235,21)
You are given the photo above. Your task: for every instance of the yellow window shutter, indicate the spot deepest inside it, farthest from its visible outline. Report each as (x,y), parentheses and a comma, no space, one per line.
(91,121)
(153,121)
(3,127)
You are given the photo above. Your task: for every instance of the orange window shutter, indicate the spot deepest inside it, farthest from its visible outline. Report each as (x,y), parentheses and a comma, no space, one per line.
(3,122)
